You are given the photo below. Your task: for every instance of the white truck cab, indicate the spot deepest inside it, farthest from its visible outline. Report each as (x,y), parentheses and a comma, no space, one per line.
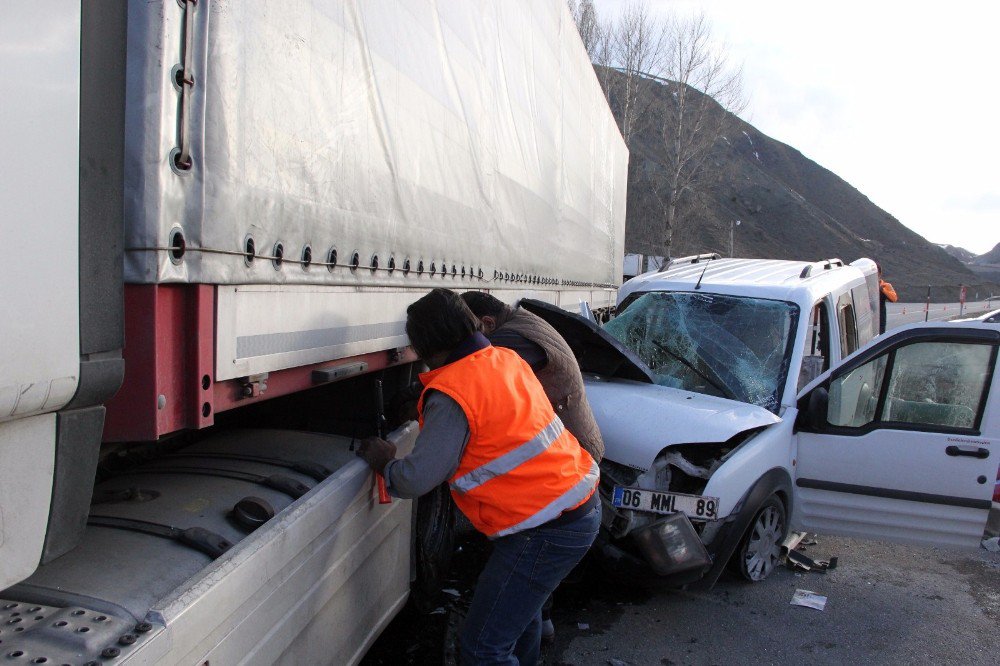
(739,417)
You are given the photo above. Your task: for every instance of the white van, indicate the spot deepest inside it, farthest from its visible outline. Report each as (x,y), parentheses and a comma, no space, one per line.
(730,414)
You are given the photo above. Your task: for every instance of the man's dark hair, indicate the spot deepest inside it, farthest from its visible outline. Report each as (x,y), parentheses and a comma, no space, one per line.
(485,305)
(439,322)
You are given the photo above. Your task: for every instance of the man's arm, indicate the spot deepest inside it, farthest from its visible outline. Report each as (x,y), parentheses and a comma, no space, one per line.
(436,453)
(889,292)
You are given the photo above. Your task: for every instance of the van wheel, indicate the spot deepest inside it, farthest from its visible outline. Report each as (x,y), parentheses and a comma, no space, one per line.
(760,551)
(433,547)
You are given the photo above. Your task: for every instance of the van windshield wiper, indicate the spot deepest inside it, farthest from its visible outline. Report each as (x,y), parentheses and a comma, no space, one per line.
(726,393)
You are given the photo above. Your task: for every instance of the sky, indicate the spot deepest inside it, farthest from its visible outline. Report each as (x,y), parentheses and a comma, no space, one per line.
(900,99)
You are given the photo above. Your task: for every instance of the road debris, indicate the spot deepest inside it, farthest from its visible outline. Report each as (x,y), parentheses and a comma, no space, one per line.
(992,545)
(792,542)
(809,599)
(582,626)
(452,592)
(796,560)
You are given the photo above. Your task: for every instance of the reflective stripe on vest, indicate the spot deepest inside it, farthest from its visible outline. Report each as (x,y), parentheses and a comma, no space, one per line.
(505,463)
(573,498)
(521,467)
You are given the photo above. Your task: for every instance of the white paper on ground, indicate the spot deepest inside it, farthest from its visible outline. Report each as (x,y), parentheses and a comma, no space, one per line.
(809,599)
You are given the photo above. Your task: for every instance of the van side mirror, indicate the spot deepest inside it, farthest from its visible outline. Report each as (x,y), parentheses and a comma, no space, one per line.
(819,401)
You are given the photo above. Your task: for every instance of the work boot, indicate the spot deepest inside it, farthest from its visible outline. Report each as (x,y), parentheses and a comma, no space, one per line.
(548,629)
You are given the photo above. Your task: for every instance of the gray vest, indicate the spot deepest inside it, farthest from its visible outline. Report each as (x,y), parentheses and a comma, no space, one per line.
(561,380)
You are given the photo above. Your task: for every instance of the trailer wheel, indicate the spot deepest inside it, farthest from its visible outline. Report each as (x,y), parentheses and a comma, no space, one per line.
(433,547)
(760,551)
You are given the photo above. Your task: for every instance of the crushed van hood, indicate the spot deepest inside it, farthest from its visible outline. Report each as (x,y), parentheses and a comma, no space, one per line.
(596,351)
(638,420)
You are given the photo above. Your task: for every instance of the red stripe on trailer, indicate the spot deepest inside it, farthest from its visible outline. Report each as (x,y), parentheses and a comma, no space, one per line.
(170,366)
(169,351)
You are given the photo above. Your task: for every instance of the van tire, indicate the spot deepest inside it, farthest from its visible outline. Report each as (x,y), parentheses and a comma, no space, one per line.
(759,553)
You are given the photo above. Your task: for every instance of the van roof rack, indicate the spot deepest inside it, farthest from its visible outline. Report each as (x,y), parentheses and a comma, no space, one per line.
(823,265)
(692,259)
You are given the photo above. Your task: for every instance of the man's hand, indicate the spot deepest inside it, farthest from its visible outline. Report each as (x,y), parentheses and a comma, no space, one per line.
(376,452)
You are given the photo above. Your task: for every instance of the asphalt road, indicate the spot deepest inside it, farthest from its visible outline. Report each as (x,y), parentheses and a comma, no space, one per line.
(898,314)
(886,604)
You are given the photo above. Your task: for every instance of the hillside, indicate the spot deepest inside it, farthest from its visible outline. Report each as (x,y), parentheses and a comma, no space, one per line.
(960,253)
(789,208)
(991,258)
(987,266)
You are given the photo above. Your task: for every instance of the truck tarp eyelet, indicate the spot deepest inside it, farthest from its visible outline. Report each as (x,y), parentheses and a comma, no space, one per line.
(177,245)
(278,255)
(177,76)
(178,165)
(249,250)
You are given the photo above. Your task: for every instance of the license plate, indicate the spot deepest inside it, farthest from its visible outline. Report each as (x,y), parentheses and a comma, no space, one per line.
(639,499)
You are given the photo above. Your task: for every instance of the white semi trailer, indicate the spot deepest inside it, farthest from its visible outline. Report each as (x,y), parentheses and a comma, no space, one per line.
(214,215)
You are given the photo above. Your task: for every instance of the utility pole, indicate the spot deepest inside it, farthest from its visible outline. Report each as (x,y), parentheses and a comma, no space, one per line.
(732,228)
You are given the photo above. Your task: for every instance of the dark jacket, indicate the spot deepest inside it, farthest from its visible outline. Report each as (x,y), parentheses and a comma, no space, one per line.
(560,377)
(885,293)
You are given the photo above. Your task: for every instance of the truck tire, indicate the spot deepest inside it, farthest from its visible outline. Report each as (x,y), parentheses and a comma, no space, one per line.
(759,552)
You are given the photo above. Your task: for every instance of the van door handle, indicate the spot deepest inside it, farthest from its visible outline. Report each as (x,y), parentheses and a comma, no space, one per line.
(972,453)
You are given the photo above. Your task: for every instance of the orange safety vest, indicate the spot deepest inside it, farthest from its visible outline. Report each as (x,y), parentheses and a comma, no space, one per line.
(520,468)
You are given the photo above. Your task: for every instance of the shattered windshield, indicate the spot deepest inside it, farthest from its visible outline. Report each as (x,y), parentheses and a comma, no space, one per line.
(730,346)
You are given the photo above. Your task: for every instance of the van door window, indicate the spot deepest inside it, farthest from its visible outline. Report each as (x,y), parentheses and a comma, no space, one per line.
(854,396)
(938,383)
(865,316)
(816,355)
(848,324)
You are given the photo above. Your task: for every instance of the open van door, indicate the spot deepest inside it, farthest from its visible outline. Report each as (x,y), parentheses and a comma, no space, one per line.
(901,441)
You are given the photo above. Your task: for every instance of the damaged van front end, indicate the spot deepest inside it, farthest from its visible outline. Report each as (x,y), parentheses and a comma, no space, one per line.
(663,514)
(688,464)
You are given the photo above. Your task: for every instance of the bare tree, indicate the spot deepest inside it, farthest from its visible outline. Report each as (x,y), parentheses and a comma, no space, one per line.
(635,48)
(667,82)
(602,56)
(588,25)
(704,93)
(624,50)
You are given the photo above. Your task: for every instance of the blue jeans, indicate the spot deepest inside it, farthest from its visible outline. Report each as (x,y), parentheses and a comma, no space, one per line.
(504,622)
